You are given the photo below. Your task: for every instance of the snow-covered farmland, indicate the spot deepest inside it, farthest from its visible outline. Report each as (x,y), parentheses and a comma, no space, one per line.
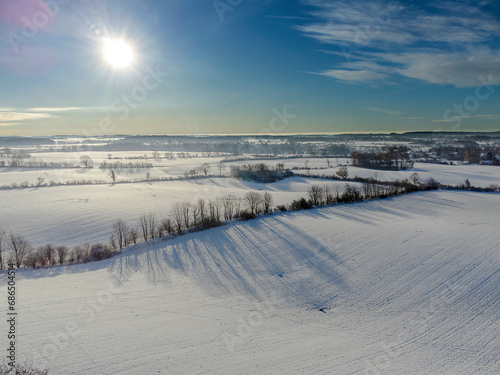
(162,168)
(408,285)
(75,215)
(479,175)
(176,167)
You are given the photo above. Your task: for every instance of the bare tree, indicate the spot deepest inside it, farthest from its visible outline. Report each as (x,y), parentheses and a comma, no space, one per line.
(62,252)
(315,193)
(195,214)
(367,190)
(49,254)
(230,206)
(235,171)
(79,253)
(343,173)
(186,214)
(143,224)
(133,236)
(205,168)
(120,233)
(31,259)
(177,216)
(112,175)
(214,212)
(151,219)
(267,202)
(42,259)
(222,167)
(19,248)
(328,196)
(351,194)
(86,161)
(338,194)
(253,200)
(202,210)
(165,227)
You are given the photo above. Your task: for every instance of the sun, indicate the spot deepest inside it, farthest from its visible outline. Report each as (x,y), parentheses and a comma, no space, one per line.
(118,53)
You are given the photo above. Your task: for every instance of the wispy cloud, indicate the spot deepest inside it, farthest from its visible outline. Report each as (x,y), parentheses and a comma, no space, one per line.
(353,76)
(22,116)
(382,110)
(65,109)
(15,116)
(412,118)
(444,43)
(289,18)
(482,117)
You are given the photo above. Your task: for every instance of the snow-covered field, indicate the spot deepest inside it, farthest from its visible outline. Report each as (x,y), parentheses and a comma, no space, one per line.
(73,215)
(409,285)
(478,175)
(79,214)
(164,168)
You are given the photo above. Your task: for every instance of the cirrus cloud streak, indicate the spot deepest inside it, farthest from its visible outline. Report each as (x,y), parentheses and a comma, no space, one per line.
(450,43)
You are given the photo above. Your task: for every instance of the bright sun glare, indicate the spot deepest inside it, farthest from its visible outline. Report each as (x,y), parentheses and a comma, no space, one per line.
(118,53)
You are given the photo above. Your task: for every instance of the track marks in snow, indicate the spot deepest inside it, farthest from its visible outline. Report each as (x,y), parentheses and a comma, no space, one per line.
(412,276)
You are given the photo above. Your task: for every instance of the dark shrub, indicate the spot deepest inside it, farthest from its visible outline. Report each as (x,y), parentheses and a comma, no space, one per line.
(300,204)
(247,215)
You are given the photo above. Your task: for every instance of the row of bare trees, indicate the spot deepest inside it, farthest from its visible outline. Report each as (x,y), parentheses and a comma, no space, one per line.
(22,162)
(186,216)
(15,249)
(121,165)
(371,189)
(202,214)
(319,196)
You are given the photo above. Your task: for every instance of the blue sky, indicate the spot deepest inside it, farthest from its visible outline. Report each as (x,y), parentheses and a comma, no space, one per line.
(241,66)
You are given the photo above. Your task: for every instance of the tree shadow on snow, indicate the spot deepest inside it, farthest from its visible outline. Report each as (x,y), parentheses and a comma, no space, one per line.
(260,259)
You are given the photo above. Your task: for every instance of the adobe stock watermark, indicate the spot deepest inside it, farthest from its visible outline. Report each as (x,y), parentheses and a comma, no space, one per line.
(279,122)
(365,33)
(223,6)
(36,23)
(123,106)
(471,104)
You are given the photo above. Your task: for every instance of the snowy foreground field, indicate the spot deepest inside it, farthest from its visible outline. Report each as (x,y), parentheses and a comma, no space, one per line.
(408,285)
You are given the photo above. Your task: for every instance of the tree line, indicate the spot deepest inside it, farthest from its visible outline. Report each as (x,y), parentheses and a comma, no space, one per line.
(23,161)
(395,158)
(260,172)
(186,217)
(121,165)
